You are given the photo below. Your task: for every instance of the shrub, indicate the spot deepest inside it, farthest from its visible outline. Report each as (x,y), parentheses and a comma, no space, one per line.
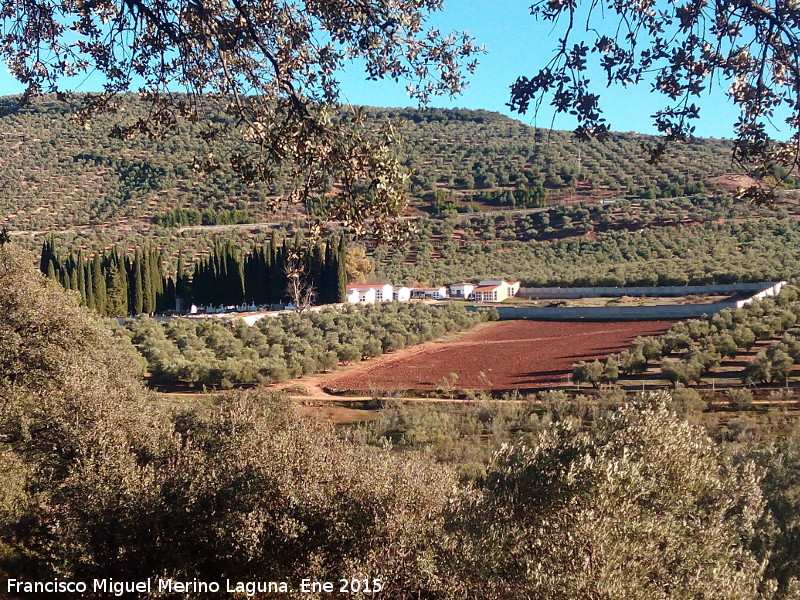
(595,515)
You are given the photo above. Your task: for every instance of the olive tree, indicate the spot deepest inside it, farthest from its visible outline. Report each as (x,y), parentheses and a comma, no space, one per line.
(264,72)
(249,492)
(61,369)
(680,49)
(588,372)
(99,482)
(645,507)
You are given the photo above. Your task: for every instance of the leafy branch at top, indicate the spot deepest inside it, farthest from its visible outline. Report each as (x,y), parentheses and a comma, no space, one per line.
(269,66)
(681,49)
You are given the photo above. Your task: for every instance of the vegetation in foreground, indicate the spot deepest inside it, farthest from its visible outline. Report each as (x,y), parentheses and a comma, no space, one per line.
(101,482)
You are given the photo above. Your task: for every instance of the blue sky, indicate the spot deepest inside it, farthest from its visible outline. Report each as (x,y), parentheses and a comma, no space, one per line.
(516,45)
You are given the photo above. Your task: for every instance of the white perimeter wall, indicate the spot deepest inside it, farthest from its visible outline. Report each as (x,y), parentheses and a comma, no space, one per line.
(639,313)
(657,291)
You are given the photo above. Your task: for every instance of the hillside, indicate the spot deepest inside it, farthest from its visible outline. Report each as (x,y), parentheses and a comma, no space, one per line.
(56,176)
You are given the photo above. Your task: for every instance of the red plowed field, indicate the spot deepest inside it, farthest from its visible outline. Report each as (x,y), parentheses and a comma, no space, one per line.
(510,355)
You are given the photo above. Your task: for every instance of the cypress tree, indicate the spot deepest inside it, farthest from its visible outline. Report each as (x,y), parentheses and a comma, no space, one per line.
(44,260)
(315,271)
(329,287)
(250,283)
(129,270)
(168,301)
(269,272)
(148,296)
(235,278)
(262,275)
(98,284)
(200,286)
(125,281)
(181,287)
(62,275)
(215,274)
(156,271)
(341,270)
(278,277)
(196,283)
(224,276)
(87,276)
(48,255)
(159,281)
(137,306)
(81,280)
(266,271)
(73,277)
(117,292)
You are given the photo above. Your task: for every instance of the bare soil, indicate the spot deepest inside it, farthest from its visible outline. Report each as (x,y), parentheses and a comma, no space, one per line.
(337,415)
(733,182)
(521,355)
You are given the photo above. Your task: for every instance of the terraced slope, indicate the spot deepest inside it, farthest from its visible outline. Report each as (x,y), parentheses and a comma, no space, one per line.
(55,175)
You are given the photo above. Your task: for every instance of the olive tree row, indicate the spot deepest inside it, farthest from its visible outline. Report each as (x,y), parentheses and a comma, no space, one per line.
(214,352)
(691,349)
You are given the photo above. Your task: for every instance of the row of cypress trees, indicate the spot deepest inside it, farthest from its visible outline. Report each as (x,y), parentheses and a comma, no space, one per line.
(226,277)
(116,285)
(113,285)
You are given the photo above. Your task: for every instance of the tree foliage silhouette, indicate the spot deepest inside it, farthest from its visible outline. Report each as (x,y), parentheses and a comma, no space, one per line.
(263,72)
(681,49)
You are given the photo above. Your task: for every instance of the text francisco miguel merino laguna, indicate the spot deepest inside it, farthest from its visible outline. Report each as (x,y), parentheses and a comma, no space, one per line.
(249,588)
